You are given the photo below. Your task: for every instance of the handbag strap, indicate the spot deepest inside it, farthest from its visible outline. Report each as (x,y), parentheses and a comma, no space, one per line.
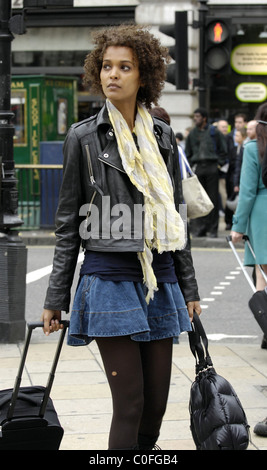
(184,164)
(199,345)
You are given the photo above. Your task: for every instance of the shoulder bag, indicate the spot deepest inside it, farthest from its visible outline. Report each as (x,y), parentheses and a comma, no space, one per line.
(197,200)
(217,418)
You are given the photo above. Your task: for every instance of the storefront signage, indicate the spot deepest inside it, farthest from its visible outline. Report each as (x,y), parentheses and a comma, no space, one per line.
(250,59)
(35,132)
(251,92)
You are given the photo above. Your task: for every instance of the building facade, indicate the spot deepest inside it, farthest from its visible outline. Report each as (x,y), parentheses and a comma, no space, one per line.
(56,43)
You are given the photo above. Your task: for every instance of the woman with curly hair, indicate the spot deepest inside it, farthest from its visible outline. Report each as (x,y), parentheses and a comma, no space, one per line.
(120,197)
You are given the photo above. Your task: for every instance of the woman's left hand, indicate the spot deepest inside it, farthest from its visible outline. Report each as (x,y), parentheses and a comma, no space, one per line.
(193,307)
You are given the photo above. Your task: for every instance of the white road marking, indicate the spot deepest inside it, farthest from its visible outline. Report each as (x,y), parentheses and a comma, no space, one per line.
(39,273)
(219,336)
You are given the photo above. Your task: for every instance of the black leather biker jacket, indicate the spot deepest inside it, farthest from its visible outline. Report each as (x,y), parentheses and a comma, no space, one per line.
(93,169)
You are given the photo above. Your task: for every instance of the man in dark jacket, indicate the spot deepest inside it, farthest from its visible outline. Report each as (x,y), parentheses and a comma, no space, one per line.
(206,151)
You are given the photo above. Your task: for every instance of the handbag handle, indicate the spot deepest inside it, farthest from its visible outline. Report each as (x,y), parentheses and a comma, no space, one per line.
(199,345)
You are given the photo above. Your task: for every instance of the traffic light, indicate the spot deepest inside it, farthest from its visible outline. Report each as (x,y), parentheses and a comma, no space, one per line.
(177,73)
(218,45)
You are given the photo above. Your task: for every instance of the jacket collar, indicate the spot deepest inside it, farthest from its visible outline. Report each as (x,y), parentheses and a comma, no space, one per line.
(109,156)
(103,119)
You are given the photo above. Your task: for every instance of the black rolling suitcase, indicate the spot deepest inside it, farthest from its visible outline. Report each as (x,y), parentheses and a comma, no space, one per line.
(28,419)
(258,301)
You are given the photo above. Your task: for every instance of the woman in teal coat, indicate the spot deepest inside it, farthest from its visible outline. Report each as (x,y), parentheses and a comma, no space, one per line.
(251,214)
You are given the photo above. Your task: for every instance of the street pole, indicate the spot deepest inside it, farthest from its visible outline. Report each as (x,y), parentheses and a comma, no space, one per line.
(202,89)
(13,253)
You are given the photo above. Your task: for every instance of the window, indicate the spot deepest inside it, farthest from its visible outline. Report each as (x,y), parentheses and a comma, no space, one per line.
(18,107)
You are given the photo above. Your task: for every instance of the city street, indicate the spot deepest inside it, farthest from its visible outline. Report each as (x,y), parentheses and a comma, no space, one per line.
(223,289)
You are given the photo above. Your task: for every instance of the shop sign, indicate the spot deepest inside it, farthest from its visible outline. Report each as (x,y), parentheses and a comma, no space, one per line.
(35,132)
(250,92)
(250,59)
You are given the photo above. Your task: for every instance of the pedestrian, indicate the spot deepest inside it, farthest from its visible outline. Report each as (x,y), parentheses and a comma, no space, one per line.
(250,217)
(222,126)
(180,140)
(251,130)
(137,288)
(161,113)
(206,151)
(240,137)
(261,427)
(240,122)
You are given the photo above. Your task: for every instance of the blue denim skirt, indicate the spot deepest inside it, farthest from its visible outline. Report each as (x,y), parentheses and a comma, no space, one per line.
(104,308)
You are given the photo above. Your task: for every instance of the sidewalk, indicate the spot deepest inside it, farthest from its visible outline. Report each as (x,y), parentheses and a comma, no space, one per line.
(82,399)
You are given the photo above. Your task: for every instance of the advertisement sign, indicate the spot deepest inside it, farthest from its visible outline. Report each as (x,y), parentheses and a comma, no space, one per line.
(249,92)
(250,59)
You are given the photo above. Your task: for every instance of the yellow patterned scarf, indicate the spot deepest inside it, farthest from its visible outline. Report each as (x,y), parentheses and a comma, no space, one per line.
(164,228)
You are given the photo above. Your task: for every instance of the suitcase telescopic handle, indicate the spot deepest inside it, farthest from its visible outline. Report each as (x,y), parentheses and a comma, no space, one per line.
(229,239)
(31,326)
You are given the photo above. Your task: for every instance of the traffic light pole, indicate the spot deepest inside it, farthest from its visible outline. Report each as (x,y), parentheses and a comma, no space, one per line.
(13,253)
(202,90)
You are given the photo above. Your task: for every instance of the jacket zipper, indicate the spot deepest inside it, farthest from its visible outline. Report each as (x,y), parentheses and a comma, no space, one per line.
(113,166)
(90,167)
(90,170)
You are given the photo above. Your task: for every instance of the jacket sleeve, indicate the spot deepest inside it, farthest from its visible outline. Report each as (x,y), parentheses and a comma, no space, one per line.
(221,148)
(188,148)
(67,228)
(248,188)
(183,261)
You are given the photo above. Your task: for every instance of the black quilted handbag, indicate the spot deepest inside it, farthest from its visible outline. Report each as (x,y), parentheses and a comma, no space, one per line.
(217,418)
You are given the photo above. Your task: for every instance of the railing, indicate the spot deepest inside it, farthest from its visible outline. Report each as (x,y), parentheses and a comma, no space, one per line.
(38,188)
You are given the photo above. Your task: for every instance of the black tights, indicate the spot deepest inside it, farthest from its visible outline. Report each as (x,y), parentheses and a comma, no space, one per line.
(139,379)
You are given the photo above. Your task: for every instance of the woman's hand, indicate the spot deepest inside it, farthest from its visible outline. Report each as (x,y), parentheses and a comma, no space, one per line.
(236,236)
(193,307)
(51,319)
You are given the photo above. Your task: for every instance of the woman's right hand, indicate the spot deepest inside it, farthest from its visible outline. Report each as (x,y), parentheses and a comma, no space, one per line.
(236,236)
(51,320)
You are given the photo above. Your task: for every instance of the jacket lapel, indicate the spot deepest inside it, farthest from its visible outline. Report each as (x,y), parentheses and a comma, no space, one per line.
(110,154)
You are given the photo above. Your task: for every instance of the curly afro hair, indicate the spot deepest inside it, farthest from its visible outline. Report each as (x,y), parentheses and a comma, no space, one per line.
(151,55)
